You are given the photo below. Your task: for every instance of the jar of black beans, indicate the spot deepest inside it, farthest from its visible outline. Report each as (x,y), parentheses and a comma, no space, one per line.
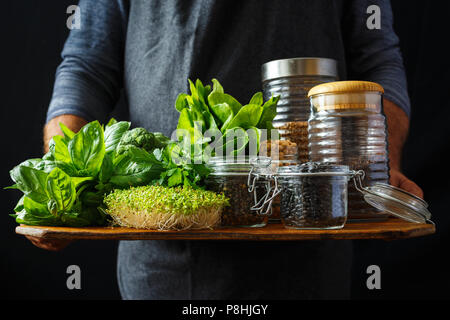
(313,196)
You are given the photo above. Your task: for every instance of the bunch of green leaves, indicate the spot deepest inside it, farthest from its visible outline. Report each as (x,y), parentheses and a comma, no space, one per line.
(66,186)
(218,114)
(179,170)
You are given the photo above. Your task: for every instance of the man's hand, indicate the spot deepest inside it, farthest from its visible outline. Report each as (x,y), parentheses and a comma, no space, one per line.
(399,180)
(52,128)
(51,245)
(398,126)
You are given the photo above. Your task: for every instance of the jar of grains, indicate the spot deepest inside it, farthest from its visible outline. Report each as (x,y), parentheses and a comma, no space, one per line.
(347,127)
(291,79)
(249,197)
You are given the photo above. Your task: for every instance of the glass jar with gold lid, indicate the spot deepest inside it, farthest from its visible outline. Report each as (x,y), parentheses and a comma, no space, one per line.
(347,127)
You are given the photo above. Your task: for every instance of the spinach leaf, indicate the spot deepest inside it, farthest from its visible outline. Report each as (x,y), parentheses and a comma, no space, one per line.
(218,98)
(269,113)
(217,87)
(181,102)
(234,142)
(248,116)
(222,112)
(254,139)
(257,99)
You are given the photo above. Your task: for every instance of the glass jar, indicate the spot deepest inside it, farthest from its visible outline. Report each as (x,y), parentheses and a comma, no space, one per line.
(291,79)
(250,204)
(347,127)
(313,196)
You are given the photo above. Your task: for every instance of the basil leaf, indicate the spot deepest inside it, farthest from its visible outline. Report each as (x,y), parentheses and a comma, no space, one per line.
(19,206)
(113,134)
(68,134)
(107,169)
(61,152)
(24,217)
(135,167)
(111,122)
(78,181)
(61,190)
(31,182)
(87,149)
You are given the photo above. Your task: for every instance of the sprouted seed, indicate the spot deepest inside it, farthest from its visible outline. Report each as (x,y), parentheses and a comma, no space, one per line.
(163,208)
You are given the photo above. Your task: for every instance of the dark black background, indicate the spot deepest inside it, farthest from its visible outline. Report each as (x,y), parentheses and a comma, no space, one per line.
(32,36)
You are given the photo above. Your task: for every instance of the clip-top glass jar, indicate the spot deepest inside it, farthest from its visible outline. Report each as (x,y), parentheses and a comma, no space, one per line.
(347,127)
(291,79)
(246,181)
(314,195)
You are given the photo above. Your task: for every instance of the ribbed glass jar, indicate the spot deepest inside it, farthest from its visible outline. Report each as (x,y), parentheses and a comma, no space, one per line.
(347,127)
(291,79)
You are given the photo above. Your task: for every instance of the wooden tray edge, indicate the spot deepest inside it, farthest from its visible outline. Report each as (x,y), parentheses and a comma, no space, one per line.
(49,233)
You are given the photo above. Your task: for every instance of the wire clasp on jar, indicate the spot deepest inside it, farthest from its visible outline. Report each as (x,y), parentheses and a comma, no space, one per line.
(262,206)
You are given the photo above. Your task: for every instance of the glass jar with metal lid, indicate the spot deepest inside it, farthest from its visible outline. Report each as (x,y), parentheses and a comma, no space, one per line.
(347,127)
(291,79)
(247,182)
(314,196)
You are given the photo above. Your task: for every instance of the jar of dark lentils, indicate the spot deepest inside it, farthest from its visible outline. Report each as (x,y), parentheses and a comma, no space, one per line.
(314,195)
(248,207)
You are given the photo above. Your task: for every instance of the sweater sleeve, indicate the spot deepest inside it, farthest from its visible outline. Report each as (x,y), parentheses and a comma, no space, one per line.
(89,79)
(374,54)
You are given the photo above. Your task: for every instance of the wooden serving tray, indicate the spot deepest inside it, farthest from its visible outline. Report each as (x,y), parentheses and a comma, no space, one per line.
(391,229)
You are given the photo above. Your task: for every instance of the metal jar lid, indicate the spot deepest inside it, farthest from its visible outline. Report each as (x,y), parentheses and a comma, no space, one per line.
(299,67)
